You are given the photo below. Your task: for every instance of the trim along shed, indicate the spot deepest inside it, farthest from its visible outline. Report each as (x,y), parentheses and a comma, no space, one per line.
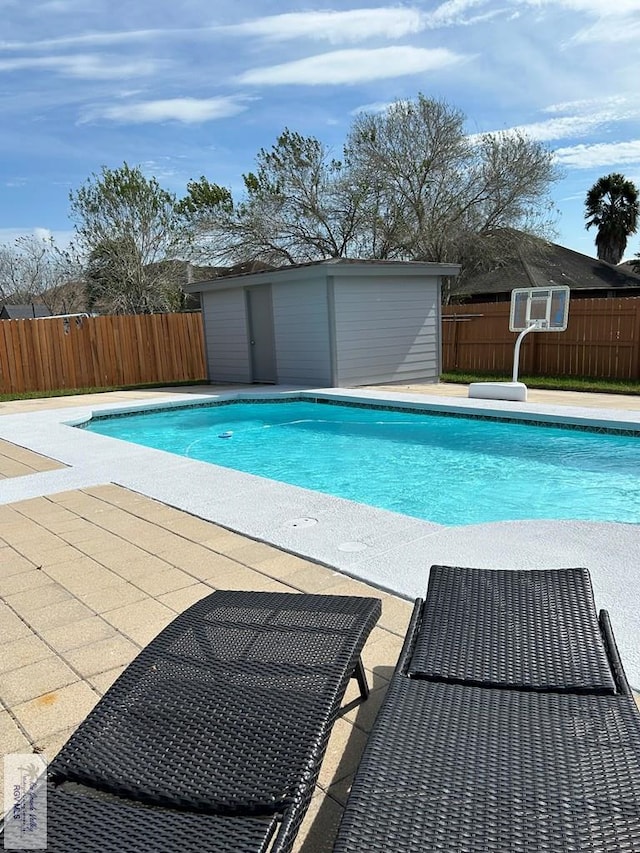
(334,323)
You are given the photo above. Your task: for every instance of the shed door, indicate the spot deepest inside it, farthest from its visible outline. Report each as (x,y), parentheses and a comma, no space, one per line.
(260,316)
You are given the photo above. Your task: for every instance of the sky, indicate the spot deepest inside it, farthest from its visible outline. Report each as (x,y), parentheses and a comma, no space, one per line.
(191,88)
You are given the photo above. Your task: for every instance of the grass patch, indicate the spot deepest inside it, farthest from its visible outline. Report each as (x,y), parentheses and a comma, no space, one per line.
(68,392)
(551,383)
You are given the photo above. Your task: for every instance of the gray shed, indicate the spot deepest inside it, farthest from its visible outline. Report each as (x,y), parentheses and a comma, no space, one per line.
(330,323)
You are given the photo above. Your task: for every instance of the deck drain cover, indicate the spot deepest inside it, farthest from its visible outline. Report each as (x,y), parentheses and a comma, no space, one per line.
(352,546)
(301,522)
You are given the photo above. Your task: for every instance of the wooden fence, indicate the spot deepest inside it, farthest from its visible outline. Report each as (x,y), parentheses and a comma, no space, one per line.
(602,340)
(86,352)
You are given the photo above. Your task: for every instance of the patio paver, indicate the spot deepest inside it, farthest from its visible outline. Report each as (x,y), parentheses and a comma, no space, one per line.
(18,461)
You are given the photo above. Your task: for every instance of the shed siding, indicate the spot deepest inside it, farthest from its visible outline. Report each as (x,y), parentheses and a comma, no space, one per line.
(386,330)
(301,332)
(225,323)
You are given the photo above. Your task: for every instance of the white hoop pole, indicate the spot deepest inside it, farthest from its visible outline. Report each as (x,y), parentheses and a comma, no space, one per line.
(516,352)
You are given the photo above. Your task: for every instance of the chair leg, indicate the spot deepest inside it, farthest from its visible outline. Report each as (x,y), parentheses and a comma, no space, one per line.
(361,677)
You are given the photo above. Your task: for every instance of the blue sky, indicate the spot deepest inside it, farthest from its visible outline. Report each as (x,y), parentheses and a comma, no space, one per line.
(193,88)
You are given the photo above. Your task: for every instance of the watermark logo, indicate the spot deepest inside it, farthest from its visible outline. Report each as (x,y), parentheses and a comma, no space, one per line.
(25,802)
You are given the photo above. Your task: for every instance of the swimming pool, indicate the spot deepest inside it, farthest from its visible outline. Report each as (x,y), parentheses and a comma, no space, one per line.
(449,470)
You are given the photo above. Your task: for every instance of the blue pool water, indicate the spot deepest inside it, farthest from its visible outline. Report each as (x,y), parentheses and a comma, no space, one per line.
(451,470)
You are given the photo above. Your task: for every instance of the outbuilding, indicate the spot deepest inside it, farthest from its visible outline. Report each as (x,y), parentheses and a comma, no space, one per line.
(333,323)
(32,311)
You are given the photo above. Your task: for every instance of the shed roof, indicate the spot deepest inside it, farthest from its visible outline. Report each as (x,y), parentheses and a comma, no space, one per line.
(316,269)
(24,312)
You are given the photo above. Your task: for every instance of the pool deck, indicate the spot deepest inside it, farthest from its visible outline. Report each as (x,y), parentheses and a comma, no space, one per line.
(102,543)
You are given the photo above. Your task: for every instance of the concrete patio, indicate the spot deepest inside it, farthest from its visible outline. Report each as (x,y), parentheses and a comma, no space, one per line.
(88,577)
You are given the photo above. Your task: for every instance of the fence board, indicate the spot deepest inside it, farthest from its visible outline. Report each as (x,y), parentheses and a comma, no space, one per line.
(52,354)
(8,364)
(19,344)
(110,356)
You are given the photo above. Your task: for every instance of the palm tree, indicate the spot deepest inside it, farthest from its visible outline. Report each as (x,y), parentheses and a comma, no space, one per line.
(612,206)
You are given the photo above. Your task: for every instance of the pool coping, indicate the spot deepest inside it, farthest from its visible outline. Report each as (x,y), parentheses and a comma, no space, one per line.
(389,550)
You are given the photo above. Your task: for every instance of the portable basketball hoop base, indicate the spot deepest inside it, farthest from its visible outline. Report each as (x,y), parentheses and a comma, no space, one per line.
(515,391)
(533,309)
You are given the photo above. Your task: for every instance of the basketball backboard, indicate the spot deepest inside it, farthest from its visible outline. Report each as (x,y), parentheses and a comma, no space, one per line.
(545,309)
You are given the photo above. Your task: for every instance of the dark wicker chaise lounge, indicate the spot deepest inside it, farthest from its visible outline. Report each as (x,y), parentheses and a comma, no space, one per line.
(212,738)
(508,726)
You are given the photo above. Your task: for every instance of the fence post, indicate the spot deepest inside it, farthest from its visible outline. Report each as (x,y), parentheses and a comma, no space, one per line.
(455,343)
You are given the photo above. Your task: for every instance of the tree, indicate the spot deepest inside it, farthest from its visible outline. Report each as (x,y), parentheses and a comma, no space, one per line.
(612,207)
(446,194)
(298,206)
(128,225)
(112,286)
(35,269)
(412,157)
(207,213)
(204,200)
(410,185)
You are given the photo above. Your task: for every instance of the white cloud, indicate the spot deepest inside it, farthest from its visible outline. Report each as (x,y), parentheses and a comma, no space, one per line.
(600,154)
(185,110)
(616,20)
(453,13)
(83,66)
(43,234)
(336,27)
(592,7)
(352,66)
(570,127)
(560,128)
(355,25)
(609,31)
(375,107)
(98,38)
(588,115)
(8,236)
(588,105)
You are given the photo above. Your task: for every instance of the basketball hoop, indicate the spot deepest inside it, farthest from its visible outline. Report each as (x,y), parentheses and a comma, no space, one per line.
(533,309)
(545,308)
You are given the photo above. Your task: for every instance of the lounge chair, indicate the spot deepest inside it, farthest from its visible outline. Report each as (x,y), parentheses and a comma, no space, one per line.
(508,725)
(529,630)
(212,738)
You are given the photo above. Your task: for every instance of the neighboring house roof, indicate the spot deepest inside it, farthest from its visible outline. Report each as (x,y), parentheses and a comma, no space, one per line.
(24,312)
(67,298)
(630,266)
(546,264)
